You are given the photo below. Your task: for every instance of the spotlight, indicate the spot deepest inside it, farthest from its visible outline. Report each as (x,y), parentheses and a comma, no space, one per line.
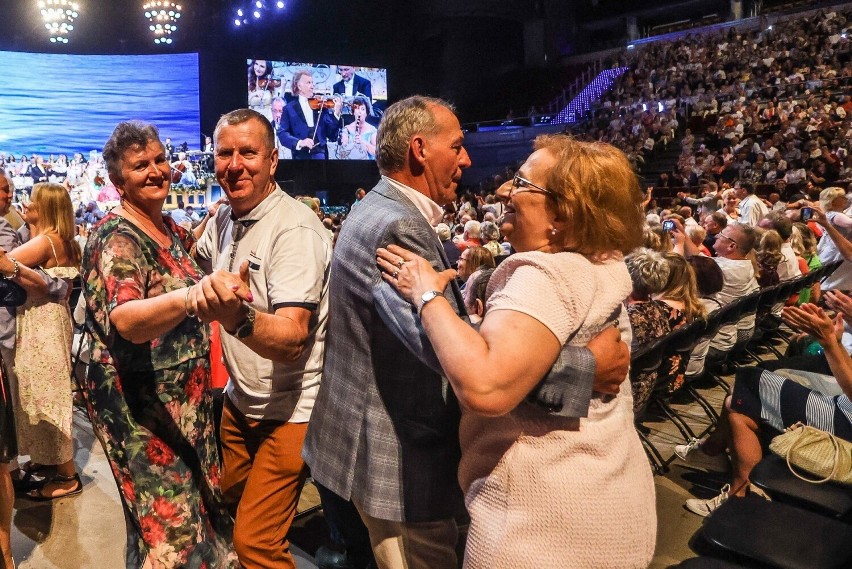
(58,16)
(163,16)
(256,14)
(240,13)
(259,4)
(280,4)
(237,22)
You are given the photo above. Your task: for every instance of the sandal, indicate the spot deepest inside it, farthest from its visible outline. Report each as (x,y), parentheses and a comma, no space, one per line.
(38,495)
(29,477)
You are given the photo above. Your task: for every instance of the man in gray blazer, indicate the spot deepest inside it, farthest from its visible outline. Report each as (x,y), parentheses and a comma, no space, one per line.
(384,431)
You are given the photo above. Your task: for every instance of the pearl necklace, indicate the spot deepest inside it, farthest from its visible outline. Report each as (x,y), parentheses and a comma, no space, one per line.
(128,212)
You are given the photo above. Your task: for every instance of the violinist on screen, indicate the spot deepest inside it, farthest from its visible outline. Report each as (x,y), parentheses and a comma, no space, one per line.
(307,123)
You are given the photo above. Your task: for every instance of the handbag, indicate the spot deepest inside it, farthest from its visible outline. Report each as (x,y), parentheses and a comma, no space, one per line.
(11,294)
(816,452)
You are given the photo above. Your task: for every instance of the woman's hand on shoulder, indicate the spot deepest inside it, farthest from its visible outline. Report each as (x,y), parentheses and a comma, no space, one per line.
(410,274)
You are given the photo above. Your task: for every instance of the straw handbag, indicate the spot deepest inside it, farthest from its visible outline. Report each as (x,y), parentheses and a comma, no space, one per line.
(816,452)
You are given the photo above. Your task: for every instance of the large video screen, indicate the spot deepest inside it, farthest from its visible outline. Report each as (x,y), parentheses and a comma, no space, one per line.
(319,111)
(67,104)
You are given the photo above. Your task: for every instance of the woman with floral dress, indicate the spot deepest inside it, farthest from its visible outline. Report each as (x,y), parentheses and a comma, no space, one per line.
(148,381)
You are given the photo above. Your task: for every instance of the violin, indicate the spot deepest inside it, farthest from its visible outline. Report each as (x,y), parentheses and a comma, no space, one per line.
(318,102)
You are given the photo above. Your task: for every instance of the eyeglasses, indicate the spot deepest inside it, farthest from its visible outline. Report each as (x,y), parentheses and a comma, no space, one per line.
(728,238)
(520,184)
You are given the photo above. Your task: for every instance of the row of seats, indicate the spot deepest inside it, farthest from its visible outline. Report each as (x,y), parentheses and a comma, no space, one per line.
(804,526)
(682,340)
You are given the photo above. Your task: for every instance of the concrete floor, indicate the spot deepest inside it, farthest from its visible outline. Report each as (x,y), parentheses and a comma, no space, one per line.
(87,531)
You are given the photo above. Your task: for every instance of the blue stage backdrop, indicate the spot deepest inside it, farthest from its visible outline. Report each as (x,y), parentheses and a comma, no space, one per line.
(61,103)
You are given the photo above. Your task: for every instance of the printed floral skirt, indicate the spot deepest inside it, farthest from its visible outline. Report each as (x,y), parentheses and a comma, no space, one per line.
(156,427)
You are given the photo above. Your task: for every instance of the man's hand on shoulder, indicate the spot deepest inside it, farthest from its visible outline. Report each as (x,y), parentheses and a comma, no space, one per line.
(612,360)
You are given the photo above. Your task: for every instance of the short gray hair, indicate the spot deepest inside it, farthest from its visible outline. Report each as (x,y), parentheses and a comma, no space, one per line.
(471,229)
(127,135)
(648,270)
(443,231)
(489,230)
(8,177)
(241,116)
(401,121)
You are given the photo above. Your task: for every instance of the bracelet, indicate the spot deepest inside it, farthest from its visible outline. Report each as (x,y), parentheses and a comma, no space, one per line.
(189,312)
(15,272)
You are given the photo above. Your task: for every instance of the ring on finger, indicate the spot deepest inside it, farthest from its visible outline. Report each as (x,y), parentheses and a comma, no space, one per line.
(395,274)
(400,263)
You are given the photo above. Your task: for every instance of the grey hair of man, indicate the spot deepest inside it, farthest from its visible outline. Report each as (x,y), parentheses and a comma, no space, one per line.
(241,116)
(6,176)
(746,237)
(402,121)
(127,135)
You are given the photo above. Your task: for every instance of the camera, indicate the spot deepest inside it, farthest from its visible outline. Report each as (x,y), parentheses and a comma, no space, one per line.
(668,225)
(807,213)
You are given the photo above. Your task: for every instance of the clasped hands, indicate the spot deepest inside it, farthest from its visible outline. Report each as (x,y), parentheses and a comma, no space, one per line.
(221,296)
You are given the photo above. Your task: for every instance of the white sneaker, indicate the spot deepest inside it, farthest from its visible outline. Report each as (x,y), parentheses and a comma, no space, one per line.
(692,454)
(706,507)
(682,451)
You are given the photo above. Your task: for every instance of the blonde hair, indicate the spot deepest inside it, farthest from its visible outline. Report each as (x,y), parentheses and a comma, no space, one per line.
(696,234)
(56,213)
(598,191)
(683,287)
(828,195)
(769,250)
(804,241)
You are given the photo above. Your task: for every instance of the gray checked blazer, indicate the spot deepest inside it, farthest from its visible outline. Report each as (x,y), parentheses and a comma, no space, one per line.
(384,430)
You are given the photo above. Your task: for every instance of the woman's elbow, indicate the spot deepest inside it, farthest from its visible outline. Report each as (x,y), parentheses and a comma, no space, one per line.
(490,404)
(130,332)
(133,336)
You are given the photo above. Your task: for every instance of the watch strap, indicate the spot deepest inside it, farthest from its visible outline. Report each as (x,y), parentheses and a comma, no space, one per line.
(428,297)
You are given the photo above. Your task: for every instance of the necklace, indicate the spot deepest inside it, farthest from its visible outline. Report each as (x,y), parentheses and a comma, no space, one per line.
(160,236)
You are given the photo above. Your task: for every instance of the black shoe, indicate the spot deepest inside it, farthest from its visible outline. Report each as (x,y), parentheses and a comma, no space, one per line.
(328,557)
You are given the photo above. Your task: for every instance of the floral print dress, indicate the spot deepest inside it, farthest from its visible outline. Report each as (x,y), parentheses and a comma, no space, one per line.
(150,404)
(650,321)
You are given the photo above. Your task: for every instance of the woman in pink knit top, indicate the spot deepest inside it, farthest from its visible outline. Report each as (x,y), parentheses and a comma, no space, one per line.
(543,490)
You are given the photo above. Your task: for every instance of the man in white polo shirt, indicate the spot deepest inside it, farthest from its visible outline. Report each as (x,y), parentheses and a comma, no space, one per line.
(273,343)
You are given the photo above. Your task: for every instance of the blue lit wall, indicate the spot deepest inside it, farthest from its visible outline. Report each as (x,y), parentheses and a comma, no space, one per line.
(61,103)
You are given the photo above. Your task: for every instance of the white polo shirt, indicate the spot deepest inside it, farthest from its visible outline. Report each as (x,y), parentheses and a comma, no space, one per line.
(289,253)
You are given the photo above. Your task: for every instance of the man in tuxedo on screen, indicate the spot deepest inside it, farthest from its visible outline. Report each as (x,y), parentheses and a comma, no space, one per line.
(303,130)
(352,84)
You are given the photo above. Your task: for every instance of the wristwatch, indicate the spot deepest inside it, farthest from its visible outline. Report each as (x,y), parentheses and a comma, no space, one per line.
(428,297)
(246,328)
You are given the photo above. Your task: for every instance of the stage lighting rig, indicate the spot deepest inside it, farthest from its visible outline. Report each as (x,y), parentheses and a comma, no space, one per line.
(59,16)
(163,16)
(256,10)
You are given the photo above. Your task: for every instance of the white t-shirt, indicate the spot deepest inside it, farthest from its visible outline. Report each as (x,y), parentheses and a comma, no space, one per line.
(289,253)
(739,281)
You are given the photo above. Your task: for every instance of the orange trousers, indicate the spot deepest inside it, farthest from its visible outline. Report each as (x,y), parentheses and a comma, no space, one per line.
(262,478)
